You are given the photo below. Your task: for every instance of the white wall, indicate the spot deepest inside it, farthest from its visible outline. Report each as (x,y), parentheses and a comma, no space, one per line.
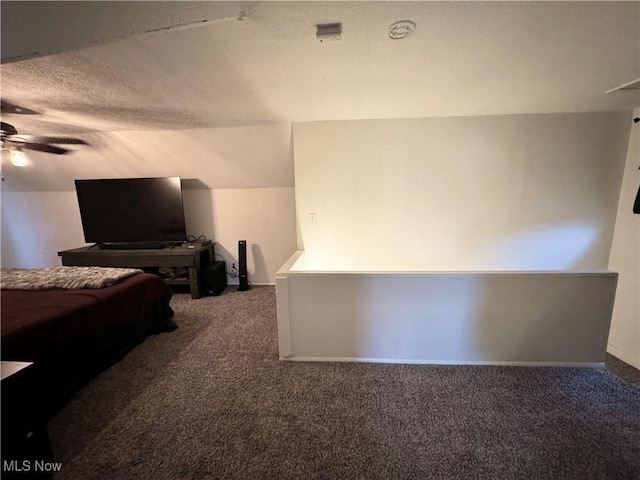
(232,157)
(37,225)
(517,192)
(264,217)
(624,337)
(238,185)
(559,318)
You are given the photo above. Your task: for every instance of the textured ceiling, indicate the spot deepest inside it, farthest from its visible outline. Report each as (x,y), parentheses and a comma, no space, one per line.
(118,66)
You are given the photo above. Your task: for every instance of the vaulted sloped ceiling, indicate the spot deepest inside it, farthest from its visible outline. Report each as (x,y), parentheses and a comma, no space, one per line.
(120,66)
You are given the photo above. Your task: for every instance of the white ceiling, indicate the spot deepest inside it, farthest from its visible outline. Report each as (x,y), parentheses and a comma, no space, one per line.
(118,66)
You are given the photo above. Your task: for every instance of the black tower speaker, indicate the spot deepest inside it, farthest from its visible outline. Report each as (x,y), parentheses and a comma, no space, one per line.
(636,205)
(242,266)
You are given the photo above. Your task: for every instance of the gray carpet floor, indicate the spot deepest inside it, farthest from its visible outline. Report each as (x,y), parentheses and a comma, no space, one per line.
(622,370)
(211,400)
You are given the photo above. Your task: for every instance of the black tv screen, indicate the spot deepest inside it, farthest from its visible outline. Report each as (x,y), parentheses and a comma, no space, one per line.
(132,210)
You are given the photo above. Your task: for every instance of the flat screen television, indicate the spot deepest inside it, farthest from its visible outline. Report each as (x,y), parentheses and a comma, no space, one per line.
(130,212)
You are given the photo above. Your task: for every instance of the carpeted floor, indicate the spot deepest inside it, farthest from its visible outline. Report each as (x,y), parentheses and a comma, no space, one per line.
(211,400)
(622,370)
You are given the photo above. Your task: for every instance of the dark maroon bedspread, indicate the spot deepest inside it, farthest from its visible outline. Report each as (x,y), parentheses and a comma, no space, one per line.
(36,324)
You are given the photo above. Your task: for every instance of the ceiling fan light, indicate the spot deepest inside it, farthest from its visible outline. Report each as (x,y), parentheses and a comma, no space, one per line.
(18,158)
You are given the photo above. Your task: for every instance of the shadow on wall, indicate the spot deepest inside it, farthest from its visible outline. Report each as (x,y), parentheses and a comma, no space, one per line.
(425,324)
(8,241)
(544,247)
(259,263)
(198,209)
(559,317)
(222,254)
(548,318)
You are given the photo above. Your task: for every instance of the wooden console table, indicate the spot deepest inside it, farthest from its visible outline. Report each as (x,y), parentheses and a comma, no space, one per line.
(193,259)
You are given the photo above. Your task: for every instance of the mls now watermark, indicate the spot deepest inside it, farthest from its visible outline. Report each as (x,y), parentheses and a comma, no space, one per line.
(17,466)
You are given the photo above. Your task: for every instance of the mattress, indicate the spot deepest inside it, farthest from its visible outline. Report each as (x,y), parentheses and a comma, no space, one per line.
(36,324)
(72,335)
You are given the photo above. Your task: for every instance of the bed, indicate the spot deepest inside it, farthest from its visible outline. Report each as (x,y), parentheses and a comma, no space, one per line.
(71,334)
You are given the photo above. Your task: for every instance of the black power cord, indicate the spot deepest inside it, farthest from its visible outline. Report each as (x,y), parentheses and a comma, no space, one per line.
(233,273)
(193,238)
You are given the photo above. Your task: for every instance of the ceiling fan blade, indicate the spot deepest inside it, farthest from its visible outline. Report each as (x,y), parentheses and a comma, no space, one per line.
(10,138)
(56,140)
(7,129)
(44,147)
(8,107)
(40,147)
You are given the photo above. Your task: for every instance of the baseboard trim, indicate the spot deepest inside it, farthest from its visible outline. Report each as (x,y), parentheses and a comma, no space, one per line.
(625,357)
(443,362)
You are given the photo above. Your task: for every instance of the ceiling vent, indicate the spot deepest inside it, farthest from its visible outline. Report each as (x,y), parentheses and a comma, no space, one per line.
(401,29)
(633,85)
(329,32)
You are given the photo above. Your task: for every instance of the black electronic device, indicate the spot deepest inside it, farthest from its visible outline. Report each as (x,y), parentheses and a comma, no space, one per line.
(214,277)
(195,244)
(636,204)
(144,211)
(242,266)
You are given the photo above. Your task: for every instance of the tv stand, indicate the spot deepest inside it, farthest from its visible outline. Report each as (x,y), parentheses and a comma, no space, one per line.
(129,246)
(193,259)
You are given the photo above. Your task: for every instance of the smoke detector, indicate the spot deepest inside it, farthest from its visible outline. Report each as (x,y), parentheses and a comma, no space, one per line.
(401,29)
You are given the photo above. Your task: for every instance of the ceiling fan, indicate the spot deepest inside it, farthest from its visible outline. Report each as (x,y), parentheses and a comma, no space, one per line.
(10,139)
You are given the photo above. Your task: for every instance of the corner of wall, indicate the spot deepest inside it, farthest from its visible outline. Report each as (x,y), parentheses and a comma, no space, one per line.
(624,258)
